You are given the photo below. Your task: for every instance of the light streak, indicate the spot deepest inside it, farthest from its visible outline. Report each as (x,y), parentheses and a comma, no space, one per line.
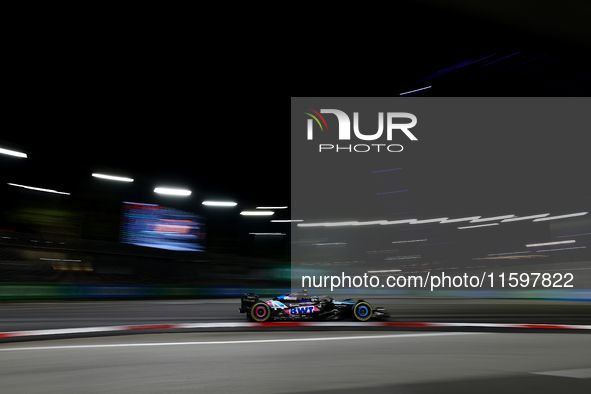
(416,90)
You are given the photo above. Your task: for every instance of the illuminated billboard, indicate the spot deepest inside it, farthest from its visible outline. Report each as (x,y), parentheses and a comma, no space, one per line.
(161,227)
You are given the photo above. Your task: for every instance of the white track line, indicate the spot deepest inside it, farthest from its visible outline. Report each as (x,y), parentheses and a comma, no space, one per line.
(145,328)
(239,342)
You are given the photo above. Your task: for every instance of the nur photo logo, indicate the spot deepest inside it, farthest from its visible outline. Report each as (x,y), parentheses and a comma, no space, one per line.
(344,130)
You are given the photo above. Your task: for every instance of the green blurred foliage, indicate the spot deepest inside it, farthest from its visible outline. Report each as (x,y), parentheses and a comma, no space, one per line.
(45,220)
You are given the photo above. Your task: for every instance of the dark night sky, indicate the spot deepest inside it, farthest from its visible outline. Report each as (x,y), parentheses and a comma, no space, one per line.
(216,124)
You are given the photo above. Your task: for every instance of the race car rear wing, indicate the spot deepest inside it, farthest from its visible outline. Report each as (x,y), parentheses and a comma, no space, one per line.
(247,301)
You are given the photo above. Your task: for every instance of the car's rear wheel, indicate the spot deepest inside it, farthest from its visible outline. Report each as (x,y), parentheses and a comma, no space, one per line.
(362,311)
(260,312)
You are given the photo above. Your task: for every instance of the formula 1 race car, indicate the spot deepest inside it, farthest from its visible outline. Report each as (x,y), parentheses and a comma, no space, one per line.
(302,306)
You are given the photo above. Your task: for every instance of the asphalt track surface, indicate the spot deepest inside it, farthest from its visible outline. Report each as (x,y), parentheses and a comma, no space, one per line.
(301,362)
(284,360)
(17,316)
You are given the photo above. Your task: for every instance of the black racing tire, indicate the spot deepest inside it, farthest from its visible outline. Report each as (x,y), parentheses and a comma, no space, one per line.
(362,311)
(260,312)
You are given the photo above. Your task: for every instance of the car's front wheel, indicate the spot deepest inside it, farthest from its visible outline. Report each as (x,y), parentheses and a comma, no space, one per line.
(362,311)
(260,312)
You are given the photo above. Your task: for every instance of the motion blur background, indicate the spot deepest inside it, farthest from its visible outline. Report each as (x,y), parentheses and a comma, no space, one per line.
(123,235)
(190,98)
(108,104)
